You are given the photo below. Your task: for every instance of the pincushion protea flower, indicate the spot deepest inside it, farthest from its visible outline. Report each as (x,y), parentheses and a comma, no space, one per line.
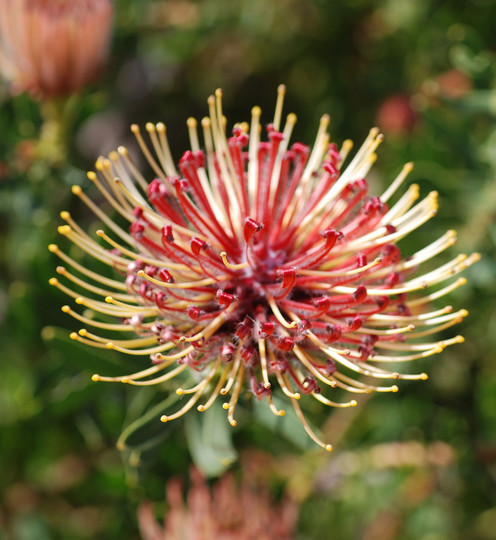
(259,265)
(224,512)
(53,47)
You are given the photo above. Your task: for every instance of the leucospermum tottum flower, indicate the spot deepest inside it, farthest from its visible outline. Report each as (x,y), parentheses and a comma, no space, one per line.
(53,47)
(260,266)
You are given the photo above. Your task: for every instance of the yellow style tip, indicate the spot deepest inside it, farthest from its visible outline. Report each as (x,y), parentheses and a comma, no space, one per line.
(325,120)
(328,447)
(76,190)
(164,418)
(292,118)
(95,377)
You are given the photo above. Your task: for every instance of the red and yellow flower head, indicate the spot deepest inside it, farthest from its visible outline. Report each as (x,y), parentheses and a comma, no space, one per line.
(260,266)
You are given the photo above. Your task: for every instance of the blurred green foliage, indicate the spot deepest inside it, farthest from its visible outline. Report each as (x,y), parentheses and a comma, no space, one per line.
(419,465)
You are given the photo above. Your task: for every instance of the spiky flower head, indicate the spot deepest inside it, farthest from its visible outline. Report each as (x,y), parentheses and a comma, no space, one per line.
(225,512)
(260,267)
(51,48)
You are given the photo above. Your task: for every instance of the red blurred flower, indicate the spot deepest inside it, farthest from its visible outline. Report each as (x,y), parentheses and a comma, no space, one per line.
(53,47)
(396,115)
(260,266)
(224,512)
(453,84)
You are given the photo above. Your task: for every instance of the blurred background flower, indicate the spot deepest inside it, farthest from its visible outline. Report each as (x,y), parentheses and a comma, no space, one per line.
(223,512)
(396,115)
(52,48)
(62,476)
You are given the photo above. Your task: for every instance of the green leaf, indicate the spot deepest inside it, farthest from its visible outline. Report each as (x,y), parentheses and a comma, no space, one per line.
(209,437)
(287,426)
(146,431)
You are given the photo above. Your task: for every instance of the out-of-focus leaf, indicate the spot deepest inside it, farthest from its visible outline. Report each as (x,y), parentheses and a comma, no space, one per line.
(464,58)
(209,438)
(31,527)
(287,426)
(147,430)
(479,101)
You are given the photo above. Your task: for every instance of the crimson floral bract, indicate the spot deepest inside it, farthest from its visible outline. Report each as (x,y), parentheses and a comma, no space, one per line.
(260,266)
